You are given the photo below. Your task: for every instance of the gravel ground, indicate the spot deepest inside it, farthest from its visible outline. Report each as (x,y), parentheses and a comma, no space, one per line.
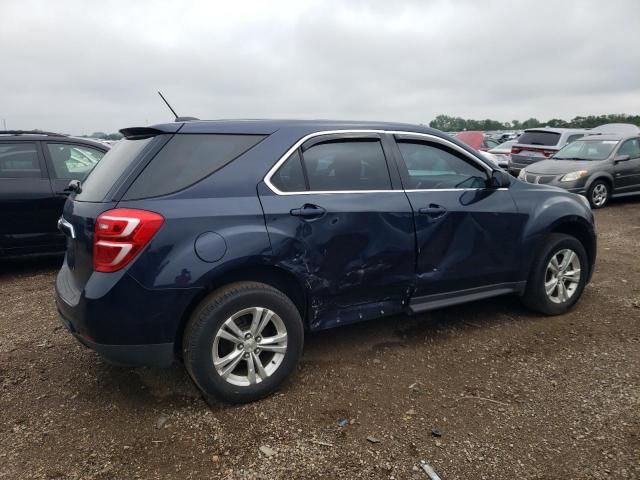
(485,390)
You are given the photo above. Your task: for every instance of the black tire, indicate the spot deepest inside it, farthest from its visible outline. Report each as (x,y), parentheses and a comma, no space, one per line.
(596,200)
(535,296)
(210,316)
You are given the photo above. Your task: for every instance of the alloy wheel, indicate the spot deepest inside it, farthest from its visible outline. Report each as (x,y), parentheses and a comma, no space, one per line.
(599,194)
(249,346)
(562,276)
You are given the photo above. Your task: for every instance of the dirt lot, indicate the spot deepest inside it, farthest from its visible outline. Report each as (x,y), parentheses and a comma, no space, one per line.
(485,390)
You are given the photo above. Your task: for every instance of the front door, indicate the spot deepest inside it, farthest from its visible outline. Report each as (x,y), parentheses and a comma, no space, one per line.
(627,172)
(335,217)
(468,235)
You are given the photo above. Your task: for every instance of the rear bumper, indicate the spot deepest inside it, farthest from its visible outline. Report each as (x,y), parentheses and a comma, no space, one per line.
(151,355)
(120,319)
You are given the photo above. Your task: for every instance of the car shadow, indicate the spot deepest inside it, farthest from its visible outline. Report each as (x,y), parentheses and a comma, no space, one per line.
(31,264)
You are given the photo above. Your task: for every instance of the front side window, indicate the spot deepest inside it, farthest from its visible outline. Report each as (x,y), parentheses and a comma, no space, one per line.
(19,160)
(73,162)
(433,166)
(586,150)
(631,148)
(346,165)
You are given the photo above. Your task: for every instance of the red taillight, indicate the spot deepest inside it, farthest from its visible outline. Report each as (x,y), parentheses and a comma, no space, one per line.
(548,153)
(119,236)
(515,150)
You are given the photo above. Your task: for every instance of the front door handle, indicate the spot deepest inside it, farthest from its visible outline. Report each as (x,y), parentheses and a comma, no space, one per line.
(308,211)
(434,211)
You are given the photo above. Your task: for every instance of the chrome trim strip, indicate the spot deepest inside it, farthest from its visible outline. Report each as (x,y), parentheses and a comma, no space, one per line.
(433,138)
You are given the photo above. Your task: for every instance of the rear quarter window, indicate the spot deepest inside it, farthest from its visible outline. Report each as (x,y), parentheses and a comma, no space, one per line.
(185,160)
(110,169)
(547,139)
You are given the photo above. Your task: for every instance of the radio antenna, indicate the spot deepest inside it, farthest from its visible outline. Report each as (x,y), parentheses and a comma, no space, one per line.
(170,108)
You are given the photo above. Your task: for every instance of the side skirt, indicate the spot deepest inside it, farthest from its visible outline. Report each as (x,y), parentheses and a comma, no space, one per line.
(440,300)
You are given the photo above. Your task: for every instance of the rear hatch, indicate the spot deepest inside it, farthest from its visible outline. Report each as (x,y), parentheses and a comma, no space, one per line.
(99,193)
(535,145)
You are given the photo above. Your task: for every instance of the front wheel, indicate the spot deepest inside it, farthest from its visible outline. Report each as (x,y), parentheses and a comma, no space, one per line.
(558,276)
(242,342)
(598,194)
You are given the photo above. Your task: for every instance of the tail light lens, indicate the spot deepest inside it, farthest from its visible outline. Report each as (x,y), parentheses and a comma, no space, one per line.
(119,236)
(515,150)
(548,153)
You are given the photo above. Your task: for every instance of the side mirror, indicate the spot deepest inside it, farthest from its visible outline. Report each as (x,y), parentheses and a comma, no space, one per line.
(621,158)
(500,179)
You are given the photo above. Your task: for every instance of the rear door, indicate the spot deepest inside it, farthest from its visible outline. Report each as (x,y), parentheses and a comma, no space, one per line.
(468,235)
(25,194)
(336,218)
(628,171)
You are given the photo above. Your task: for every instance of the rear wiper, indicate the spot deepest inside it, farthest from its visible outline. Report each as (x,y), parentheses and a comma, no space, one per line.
(74,186)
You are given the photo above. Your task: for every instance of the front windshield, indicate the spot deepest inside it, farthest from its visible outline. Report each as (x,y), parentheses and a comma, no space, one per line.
(587,150)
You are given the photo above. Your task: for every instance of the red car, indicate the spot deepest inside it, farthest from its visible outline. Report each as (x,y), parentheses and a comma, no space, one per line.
(477,140)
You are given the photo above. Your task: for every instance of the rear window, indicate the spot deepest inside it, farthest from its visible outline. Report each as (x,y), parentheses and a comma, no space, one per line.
(187,159)
(110,168)
(539,138)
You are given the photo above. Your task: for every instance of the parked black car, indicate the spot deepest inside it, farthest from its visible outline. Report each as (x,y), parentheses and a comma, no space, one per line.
(598,166)
(35,169)
(221,242)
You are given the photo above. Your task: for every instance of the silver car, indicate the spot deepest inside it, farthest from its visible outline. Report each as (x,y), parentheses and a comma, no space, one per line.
(598,166)
(537,144)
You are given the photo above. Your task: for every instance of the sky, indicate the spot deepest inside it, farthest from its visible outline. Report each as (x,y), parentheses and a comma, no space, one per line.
(84,66)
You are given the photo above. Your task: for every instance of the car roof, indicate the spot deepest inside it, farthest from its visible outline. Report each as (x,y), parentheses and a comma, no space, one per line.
(556,130)
(27,136)
(621,129)
(607,136)
(269,126)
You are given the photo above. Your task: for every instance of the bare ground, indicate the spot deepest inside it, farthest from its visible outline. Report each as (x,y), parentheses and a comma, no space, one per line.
(511,394)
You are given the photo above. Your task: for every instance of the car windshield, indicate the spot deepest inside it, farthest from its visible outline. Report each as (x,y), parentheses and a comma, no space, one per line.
(587,150)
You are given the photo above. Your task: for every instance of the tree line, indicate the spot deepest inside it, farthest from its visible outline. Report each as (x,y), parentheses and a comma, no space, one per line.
(457,124)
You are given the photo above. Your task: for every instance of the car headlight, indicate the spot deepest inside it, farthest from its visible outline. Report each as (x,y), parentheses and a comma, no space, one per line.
(570,177)
(522,174)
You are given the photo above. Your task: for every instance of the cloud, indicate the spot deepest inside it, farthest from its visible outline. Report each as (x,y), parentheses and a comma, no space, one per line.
(78,66)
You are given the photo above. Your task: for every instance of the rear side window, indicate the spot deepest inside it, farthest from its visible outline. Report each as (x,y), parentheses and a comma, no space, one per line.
(110,169)
(346,165)
(290,177)
(19,160)
(73,162)
(573,138)
(537,137)
(187,159)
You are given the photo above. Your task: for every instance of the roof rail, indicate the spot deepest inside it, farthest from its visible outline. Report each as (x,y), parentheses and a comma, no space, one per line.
(31,132)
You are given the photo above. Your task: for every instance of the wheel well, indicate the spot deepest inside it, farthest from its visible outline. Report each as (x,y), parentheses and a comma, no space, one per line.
(581,232)
(276,277)
(605,180)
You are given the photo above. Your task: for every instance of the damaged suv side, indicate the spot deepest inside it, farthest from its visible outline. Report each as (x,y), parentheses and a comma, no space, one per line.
(219,243)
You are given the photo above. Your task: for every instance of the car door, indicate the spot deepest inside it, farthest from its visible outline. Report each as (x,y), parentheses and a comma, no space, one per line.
(24,194)
(66,161)
(627,172)
(336,218)
(468,235)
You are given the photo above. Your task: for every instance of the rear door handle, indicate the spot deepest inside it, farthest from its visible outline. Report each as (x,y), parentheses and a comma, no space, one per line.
(66,228)
(308,211)
(433,211)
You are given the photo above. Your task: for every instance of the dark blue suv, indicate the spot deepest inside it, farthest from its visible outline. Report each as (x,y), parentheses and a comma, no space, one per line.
(219,243)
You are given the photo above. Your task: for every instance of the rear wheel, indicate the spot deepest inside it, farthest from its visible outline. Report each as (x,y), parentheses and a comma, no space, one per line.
(242,342)
(558,276)
(599,194)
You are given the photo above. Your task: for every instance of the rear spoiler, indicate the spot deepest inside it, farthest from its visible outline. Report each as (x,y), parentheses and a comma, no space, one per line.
(138,133)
